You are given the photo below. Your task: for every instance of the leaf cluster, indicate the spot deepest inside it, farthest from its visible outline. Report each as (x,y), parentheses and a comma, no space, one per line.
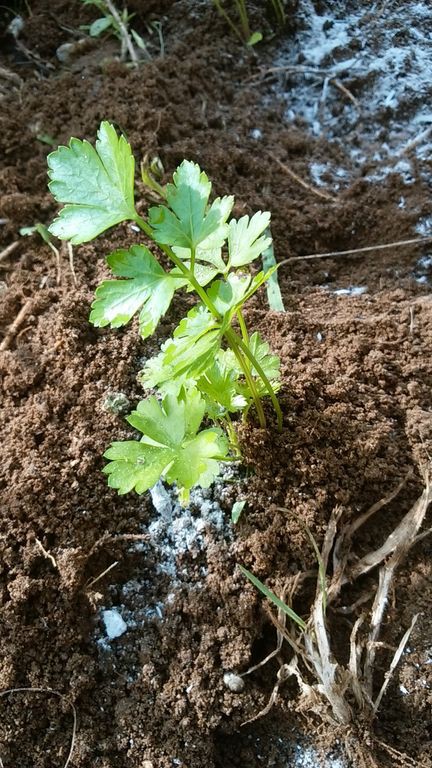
(205,370)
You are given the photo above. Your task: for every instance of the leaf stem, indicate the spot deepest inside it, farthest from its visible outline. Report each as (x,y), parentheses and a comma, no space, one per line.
(233,337)
(232,341)
(243,328)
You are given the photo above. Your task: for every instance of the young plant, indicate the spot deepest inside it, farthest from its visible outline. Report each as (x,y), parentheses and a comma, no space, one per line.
(241,29)
(117,24)
(207,369)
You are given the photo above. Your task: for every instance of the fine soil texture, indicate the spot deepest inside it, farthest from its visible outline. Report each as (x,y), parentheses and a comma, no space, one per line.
(123,615)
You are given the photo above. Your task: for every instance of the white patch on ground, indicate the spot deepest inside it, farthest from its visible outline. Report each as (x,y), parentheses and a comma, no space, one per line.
(176,530)
(382,54)
(177,537)
(309,758)
(352,290)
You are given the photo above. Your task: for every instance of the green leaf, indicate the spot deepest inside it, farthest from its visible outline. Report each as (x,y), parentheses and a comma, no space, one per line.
(274,598)
(148,288)
(100,25)
(237,509)
(219,386)
(170,447)
(187,221)
(274,295)
(269,363)
(244,241)
(228,294)
(255,38)
(208,260)
(97,185)
(41,229)
(184,357)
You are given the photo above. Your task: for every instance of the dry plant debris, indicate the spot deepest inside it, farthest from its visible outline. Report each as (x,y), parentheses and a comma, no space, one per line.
(338,693)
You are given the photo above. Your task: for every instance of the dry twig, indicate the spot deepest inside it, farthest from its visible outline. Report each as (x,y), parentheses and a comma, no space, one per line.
(354,251)
(46,553)
(126,41)
(8,250)
(13,328)
(299,180)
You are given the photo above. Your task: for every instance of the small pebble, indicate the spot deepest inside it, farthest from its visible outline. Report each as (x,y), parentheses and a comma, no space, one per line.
(235,683)
(115,626)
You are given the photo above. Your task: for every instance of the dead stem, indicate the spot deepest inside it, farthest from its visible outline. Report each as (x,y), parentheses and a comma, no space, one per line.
(330,695)
(343,89)
(399,541)
(71,263)
(354,251)
(13,329)
(46,553)
(395,662)
(8,250)
(126,41)
(94,581)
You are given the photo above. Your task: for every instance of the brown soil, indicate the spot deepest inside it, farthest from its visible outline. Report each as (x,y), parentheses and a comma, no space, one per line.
(356,396)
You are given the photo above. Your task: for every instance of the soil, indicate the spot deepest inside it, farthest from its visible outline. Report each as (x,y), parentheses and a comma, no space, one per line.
(356,398)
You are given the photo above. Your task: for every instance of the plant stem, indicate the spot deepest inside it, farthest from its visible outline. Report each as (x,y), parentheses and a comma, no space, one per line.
(224,14)
(233,337)
(232,435)
(243,328)
(244,365)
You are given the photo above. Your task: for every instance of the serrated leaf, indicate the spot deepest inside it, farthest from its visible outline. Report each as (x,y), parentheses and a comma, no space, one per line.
(219,386)
(244,241)
(269,363)
(230,294)
(183,358)
(170,447)
(97,185)
(187,221)
(208,261)
(148,288)
(135,466)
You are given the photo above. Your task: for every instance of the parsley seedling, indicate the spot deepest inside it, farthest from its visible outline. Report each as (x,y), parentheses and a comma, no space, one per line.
(207,368)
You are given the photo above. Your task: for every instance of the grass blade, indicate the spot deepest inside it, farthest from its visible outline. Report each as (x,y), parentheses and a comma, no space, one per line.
(273,598)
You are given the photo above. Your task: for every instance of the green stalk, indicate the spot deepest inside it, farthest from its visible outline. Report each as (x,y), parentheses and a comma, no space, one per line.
(243,328)
(233,338)
(192,260)
(232,434)
(244,21)
(179,264)
(248,376)
(228,20)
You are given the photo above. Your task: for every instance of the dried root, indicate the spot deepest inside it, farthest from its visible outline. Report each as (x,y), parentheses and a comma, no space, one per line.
(344,694)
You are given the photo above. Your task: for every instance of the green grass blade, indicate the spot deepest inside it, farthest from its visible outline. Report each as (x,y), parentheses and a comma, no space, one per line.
(273,598)
(274,295)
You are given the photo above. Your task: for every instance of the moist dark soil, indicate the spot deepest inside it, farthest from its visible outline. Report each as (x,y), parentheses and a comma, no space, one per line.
(356,396)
